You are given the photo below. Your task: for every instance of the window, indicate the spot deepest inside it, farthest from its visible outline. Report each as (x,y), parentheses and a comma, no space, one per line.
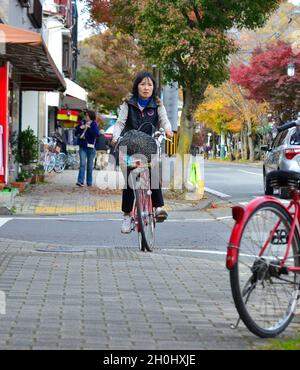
(279,139)
(67,56)
(24,3)
(295,138)
(35,13)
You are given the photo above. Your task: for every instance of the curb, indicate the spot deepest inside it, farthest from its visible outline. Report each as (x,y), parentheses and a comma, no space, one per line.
(7,202)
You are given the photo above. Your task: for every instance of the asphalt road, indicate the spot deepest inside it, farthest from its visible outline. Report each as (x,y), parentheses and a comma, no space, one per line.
(233,182)
(183,230)
(192,231)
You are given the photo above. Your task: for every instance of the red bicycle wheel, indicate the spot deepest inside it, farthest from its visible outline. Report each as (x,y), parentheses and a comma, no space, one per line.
(265,294)
(146,221)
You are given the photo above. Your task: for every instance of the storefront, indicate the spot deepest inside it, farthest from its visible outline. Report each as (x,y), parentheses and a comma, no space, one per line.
(25,65)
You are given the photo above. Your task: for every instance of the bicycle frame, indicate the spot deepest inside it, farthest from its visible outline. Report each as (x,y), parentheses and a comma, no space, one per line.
(241,215)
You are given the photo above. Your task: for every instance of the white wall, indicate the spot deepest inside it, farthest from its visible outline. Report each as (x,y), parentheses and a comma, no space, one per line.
(53,37)
(30,110)
(18,17)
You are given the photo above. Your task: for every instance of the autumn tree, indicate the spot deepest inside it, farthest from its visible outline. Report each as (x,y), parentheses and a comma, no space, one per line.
(252,115)
(114,58)
(226,110)
(266,79)
(283,25)
(186,39)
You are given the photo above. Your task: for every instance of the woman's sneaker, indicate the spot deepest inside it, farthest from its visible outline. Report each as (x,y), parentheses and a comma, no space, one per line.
(161,214)
(126,225)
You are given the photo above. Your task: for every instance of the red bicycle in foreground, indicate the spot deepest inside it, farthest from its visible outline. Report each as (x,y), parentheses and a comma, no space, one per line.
(263,257)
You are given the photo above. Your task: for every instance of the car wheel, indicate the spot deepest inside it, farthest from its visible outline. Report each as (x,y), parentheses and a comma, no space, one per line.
(267,188)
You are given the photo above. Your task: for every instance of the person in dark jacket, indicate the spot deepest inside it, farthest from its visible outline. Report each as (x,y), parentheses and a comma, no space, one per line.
(141,107)
(87,133)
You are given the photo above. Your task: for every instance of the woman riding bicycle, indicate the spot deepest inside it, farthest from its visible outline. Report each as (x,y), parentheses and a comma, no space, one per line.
(140,107)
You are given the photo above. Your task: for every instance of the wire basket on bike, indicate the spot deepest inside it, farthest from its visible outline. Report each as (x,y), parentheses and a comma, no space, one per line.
(138,143)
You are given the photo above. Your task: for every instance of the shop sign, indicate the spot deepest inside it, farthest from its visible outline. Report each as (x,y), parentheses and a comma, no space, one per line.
(67,115)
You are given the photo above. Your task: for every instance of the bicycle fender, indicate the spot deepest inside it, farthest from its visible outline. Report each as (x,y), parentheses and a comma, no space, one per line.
(241,216)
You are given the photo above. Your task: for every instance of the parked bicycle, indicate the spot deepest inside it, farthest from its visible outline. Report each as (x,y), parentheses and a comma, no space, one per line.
(143,217)
(263,256)
(47,154)
(54,155)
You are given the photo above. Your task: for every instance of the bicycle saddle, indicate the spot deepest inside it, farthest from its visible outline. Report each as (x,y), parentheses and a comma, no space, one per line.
(282,178)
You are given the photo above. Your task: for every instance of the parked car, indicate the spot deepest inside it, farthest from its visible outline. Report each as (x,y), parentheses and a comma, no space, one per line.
(284,154)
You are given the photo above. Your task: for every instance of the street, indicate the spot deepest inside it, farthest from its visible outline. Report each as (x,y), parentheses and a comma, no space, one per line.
(75,282)
(234,182)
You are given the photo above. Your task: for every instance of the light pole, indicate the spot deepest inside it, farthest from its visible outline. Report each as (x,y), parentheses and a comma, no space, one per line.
(291,70)
(208,138)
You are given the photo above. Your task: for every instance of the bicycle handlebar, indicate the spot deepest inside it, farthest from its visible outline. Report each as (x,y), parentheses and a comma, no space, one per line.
(161,134)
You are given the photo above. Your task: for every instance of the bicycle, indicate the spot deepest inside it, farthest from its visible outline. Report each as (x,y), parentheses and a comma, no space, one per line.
(47,154)
(263,257)
(142,216)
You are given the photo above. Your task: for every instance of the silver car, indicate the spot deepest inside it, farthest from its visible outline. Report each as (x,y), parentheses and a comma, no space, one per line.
(284,154)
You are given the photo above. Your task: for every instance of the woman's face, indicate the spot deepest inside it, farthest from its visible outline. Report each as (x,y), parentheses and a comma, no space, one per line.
(145,88)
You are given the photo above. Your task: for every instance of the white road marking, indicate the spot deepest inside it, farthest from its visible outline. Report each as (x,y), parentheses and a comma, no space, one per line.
(3,221)
(252,173)
(217,193)
(285,202)
(110,219)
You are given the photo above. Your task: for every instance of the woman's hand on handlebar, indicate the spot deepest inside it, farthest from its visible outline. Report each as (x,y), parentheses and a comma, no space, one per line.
(169,134)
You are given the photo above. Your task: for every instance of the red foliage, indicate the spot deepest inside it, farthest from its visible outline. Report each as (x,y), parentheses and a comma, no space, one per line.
(100,10)
(266,77)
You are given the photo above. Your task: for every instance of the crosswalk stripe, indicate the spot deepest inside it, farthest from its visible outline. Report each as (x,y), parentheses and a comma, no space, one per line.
(3,221)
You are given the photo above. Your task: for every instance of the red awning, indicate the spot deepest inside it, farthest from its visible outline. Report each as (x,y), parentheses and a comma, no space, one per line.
(31,59)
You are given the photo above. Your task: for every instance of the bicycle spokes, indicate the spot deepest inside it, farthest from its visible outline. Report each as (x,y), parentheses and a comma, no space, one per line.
(264,283)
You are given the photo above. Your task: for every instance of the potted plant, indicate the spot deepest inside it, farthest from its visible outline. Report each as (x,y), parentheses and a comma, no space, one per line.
(22,180)
(25,148)
(38,174)
(25,151)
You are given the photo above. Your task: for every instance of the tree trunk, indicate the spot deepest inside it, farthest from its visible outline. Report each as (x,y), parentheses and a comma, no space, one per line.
(190,103)
(244,144)
(250,142)
(186,123)
(251,148)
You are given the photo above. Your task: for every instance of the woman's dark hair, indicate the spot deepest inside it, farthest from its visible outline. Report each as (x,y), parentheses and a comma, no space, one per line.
(91,114)
(139,78)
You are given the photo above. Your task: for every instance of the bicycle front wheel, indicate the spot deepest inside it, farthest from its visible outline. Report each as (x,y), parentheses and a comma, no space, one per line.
(49,162)
(145,219)
(60,162)
(264,294)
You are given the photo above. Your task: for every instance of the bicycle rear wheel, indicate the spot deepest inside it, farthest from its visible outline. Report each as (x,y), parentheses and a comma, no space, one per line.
(145,217)
(265,295)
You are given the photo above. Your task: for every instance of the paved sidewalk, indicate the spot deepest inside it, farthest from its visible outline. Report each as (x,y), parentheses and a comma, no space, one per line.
(115,298)
(59,195)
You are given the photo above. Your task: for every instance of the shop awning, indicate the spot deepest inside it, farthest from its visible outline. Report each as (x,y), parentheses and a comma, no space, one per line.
(74,97)
(29,55)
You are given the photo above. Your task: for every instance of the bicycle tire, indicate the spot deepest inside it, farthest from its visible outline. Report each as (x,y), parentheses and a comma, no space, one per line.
(273,300)
(146,221)
(60,162)
(49,162)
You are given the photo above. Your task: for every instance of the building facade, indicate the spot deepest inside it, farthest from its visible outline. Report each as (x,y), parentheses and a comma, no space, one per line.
(38,61)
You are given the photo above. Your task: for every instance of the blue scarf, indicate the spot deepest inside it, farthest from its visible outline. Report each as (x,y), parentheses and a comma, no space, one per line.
(143,102)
